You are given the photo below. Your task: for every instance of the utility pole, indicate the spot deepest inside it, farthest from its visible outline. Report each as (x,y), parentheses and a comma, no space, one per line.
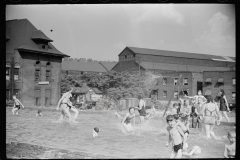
(12,77)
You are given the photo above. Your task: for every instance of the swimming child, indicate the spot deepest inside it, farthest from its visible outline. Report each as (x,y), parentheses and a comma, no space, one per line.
(16,105)
(39,113)
(229,151)
(175,136)
(126,120)
(194,153)
(183,127)
(95,131)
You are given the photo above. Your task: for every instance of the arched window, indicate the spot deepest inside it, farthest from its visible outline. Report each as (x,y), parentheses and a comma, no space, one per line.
(38,62)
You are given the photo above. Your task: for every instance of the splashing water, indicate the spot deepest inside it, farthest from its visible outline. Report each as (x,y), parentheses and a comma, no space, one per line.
(150,79)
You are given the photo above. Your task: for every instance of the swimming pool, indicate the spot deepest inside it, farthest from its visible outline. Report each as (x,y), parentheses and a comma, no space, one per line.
(148,141)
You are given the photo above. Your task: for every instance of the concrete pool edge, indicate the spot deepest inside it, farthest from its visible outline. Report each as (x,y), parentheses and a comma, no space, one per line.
(27,150)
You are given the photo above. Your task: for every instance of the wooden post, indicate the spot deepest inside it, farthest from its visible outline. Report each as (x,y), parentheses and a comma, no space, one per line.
(172,95)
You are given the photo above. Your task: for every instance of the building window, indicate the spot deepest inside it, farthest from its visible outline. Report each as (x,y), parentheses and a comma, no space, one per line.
(164,94)
(185,81)
(176,94)
(208,81)
(37,75)
(16,92)
(164,81)
(48,75)
(175,81)
(47,97)
(125,56)
(48,64)
(8,94)
(234,81)
(233,95)
(37,96)
(7,73)
(82,72)
(16,73)
(38,63)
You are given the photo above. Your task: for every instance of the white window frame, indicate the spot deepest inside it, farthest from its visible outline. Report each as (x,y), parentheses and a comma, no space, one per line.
(164,82)
(185,81)
(176,94)
(175,81)
(164,96)
(234,81)
(233,95)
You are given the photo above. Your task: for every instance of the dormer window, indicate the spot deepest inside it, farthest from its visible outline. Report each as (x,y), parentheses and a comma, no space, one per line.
(41,39)
(48,64)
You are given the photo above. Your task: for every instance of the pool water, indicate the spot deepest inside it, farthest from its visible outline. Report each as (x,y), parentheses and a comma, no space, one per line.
(148,140)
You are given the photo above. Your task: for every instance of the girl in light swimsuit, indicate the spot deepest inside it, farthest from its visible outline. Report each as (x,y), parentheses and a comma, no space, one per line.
(127,120)
(64,104)
(208,112)
(16,105)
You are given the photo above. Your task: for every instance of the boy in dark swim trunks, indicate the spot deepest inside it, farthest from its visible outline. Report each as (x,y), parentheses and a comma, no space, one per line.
(16,105)
(175,136)
(229,151)
(183,127)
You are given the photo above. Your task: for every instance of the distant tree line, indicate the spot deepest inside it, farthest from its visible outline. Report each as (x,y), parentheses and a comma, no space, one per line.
(83,60)
(115,85)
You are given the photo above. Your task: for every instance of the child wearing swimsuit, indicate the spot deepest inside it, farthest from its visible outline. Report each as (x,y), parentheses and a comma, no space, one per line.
(183,127)
(230,149)
(127,120)
(175,136)
(16,105)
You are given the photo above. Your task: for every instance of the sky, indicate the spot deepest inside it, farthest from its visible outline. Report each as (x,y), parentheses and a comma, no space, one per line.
(102,31)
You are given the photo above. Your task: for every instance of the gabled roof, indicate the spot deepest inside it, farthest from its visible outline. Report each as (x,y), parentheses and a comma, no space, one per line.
(38,34)
(21,32)
(108,65)
(82,66)
(176,54)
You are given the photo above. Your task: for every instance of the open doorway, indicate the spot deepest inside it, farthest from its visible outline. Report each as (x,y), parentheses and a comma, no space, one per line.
(199,86)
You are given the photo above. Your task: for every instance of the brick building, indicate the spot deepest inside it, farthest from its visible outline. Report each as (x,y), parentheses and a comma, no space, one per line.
(214,81)
(171,64)
(33,65)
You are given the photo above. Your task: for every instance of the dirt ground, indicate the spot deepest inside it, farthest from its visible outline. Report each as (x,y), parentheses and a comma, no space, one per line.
(28,151)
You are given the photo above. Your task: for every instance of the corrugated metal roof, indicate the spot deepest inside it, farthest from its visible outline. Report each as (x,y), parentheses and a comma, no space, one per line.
(20,32)
(174,53)
(82,66)
(176,67)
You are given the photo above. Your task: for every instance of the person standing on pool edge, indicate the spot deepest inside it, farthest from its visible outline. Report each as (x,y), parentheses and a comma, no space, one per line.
(64,104)
(141,109)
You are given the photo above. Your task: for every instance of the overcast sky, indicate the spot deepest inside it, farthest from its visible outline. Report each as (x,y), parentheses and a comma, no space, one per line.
(102,31)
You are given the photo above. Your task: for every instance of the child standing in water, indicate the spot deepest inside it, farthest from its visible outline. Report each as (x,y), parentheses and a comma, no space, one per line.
(175,136)
(126,120)
(16,105)
(183,127)
(229,151)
